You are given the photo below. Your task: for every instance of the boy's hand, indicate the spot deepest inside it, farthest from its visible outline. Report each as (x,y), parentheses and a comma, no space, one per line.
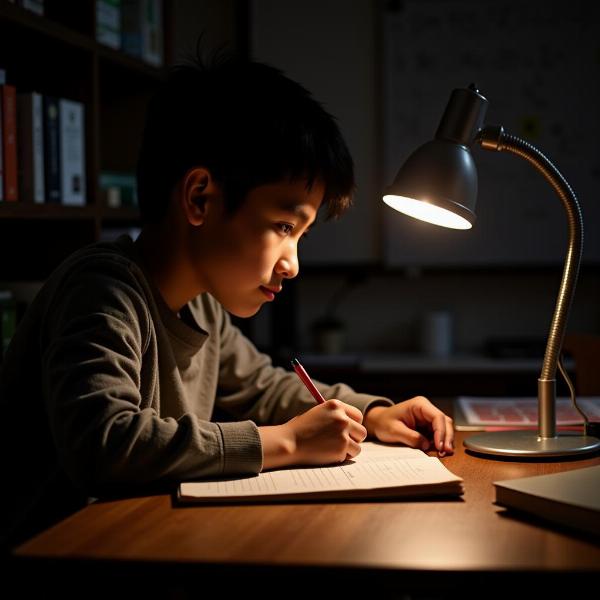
(402,422)
(328,433)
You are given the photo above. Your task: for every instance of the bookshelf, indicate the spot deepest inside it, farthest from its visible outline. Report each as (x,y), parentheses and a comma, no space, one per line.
(57,54)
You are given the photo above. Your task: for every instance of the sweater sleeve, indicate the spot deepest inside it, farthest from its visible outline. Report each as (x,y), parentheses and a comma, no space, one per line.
(250,387)
(104,431)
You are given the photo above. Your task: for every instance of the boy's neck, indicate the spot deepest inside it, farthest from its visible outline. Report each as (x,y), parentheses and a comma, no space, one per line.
(165,266)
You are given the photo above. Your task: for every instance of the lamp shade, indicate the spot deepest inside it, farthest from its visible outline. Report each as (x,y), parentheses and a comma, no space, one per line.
(438,182)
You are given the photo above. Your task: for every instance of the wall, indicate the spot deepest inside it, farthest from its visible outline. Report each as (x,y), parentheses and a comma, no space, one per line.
(215,20)
(537,63)
(383,313)
(334,48)
(329,46)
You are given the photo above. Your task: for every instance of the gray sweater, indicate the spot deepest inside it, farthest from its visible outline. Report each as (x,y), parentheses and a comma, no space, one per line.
(103,386)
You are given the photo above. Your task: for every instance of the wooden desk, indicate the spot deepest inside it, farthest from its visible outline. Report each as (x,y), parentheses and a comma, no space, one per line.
(399,547)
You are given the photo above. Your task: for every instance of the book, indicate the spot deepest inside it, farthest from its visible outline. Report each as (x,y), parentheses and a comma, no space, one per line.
(142,30)
(379,471)
(570,498)
(2,82)
(72,151)
(35,6)
(490,413)
(8,320)
(108,23)
(8,99)
(2,76)
(51,135)
(30,119)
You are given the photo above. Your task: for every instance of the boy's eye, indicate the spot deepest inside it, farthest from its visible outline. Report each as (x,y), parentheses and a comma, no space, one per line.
(288,228)
(285,228)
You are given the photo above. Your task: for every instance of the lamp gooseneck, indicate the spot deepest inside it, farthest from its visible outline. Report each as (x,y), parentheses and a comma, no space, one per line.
(494,138)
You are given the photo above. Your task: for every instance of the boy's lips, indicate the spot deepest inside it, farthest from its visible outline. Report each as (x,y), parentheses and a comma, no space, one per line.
(270,292)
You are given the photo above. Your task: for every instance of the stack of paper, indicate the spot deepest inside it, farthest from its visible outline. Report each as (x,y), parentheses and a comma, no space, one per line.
(379,471)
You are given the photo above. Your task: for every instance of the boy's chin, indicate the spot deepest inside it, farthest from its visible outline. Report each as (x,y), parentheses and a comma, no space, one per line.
(244,312)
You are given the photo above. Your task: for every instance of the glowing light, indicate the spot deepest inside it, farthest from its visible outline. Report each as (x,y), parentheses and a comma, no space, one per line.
(425,211)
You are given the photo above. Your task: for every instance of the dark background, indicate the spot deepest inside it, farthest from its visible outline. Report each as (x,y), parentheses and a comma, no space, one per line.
(385,70)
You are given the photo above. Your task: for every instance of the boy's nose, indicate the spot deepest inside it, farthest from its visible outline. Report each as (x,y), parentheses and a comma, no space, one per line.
(287,266)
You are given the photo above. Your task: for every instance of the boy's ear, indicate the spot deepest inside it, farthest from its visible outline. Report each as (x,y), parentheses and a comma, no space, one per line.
(199,192)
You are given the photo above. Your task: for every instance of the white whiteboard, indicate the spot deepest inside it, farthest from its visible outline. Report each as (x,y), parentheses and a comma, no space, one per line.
(538,64)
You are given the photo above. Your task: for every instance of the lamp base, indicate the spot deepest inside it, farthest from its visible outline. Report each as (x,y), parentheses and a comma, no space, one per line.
(527,444)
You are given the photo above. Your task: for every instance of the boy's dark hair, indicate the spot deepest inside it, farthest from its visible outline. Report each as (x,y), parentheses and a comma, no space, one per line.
(249,125)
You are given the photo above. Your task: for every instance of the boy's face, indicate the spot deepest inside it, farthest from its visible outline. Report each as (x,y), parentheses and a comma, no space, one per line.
(244,259)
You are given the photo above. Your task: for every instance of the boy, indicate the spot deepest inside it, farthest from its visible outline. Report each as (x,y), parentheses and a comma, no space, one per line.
(120,363)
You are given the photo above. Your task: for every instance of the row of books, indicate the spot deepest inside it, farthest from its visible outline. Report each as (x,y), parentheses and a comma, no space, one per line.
(35,6)
(134,26)
(42,148)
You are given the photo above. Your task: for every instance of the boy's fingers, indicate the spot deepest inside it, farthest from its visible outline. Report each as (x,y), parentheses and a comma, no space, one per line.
(357,432)
(353,412)
(441,424)
(353,449)
(404,434)
(449,434)
(443,435)
(439,432)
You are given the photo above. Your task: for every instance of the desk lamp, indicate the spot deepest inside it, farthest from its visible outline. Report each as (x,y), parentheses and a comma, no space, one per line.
(438,184)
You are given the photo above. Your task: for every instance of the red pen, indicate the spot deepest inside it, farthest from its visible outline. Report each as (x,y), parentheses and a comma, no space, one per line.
(306,380)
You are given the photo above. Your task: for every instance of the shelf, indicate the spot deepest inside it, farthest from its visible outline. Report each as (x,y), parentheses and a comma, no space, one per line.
(120,214)
(417,363)
(128,62)
(402,376)
(57,54)
(20,210)
(33,248)
(31,22)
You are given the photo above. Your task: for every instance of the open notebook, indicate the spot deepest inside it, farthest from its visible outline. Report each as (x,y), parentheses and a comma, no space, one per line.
(379,471)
